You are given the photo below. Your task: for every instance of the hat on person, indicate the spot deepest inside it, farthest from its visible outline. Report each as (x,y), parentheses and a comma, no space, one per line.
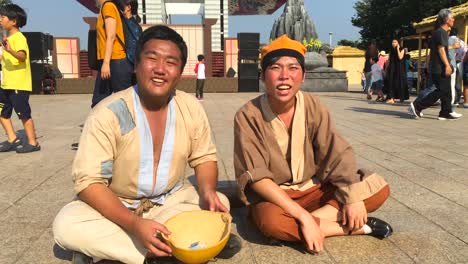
(383,53)
(283,46)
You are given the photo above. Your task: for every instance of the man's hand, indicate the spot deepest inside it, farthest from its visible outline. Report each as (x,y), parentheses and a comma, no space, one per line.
(354,215)
(313,235)
(105,71)
(211,201)
(146,231)
(448,70)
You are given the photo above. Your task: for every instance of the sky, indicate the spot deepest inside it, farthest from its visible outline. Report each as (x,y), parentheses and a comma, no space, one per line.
(63,18)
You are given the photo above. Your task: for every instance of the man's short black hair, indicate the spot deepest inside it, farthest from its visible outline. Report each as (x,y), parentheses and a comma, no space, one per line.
(163,33)
(200,57)
(14,12)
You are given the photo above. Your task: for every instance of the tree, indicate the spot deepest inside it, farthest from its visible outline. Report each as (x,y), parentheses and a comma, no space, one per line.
(346,42)
(384,20)
(4,2)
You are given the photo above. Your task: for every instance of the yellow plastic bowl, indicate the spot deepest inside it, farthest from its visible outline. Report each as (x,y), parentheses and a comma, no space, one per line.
(198,236)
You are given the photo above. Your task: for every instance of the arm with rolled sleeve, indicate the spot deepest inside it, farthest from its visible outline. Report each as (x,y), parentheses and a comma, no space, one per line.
(336,163)
(95,152)
(251,157)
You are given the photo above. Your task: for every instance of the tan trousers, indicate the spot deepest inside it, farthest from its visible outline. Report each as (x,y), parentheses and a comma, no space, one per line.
(79,227)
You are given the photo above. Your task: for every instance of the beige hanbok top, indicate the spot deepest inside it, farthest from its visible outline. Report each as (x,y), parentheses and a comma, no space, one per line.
(116,147)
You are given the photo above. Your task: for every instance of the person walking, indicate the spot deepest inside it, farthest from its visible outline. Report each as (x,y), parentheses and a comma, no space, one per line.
(454,46)
(371,52)
(16,82)
(441,71)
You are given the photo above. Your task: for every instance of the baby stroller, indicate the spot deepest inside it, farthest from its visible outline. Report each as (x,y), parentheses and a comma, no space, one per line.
(48,85)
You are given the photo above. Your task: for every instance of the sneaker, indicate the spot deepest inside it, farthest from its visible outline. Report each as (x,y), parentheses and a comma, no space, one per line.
(456,115)
(6,146)
(465,105)
(412,111)
(27,148)
(448,117)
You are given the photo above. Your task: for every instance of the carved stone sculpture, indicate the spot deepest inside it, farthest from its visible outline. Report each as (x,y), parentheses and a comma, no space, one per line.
(294,22)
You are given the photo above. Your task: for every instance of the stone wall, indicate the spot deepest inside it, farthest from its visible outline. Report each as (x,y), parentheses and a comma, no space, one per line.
(212,85)
(351,60)
(353,66)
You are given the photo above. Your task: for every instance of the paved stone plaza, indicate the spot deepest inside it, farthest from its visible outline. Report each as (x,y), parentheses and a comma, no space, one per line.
(425,161)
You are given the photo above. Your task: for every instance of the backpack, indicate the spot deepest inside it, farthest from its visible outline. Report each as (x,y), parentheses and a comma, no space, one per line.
(93,62)
(132,31)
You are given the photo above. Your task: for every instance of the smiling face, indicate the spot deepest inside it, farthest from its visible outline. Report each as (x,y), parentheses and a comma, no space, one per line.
(159,69)
(283,79)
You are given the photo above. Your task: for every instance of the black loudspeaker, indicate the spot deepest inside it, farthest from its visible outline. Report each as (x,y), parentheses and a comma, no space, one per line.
(38,72)
(247,70)
(50,42)
(249,41)
(249,54)
(37,43)
(248,85)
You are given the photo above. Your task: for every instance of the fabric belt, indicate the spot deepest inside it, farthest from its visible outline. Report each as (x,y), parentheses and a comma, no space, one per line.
(144,206)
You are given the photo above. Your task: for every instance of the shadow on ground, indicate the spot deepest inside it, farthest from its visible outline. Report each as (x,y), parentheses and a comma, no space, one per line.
(61,253)
(399,114)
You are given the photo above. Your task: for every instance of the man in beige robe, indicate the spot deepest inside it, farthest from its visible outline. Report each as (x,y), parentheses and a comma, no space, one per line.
(295,172)
(129,170)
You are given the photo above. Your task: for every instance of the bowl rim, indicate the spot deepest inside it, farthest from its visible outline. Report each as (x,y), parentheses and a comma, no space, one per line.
(226,235)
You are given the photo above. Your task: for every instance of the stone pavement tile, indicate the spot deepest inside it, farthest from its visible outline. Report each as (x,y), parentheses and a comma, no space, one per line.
(245,254)
(16,238)
(41,205)
(50,253)
(426,202)
(433,206)
(266,254)
(432,248)
(365,249)
(22,181)
(416,174)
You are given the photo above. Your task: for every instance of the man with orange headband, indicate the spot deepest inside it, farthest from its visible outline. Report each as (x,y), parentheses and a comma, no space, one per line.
(297,175)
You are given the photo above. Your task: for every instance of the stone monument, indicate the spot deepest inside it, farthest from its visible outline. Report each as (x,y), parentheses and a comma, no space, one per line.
(297,24)
(294,22)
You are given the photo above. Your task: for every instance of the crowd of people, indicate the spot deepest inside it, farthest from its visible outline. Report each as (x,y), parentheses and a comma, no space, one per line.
(388,78)
(446,70)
